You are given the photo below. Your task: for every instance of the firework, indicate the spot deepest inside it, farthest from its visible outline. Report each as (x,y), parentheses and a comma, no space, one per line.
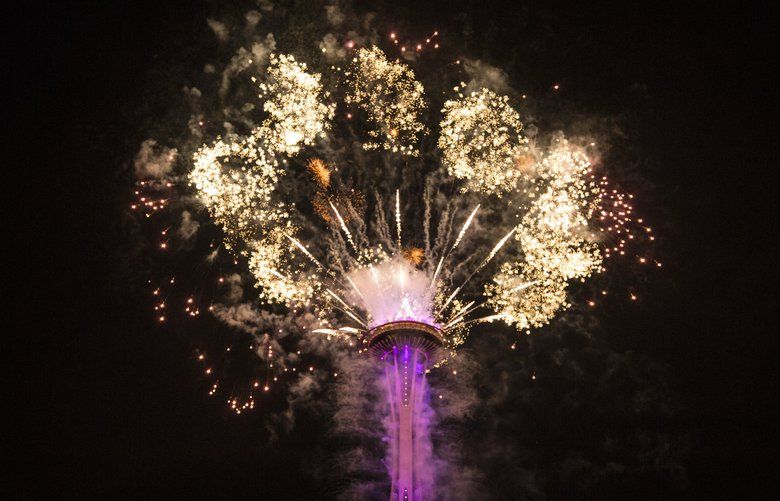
(556,240)
(357,273)
(294,102)
(481,141)
(392,98)
(481,145)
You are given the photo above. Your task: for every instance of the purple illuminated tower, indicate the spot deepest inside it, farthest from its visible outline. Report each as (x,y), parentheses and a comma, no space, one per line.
(408,349)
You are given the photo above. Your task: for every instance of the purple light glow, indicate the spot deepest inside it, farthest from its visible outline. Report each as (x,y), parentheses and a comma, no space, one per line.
(407,349)
(408,424)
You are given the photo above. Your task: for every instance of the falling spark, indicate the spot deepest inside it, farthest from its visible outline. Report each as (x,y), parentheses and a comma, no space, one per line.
(398,215)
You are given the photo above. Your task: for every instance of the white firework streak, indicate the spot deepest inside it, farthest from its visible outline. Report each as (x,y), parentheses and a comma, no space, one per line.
(485,262)
(457,241)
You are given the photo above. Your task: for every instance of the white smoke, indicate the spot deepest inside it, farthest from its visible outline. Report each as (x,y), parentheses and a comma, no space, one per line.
(256,56)
(153,161)
(219,29)
(483,75)
(192,92)
(189,226)
(252,19)
(332,49)
(334,15)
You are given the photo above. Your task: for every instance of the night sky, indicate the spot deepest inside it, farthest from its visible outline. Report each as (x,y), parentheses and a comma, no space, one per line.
(108,404)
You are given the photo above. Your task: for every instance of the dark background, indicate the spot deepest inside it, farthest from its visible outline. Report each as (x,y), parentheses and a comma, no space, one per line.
(104,403)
